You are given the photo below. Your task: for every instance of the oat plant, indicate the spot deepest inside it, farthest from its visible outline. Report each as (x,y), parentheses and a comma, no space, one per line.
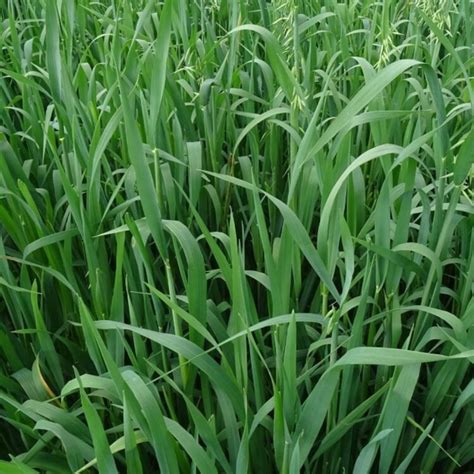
(236,237)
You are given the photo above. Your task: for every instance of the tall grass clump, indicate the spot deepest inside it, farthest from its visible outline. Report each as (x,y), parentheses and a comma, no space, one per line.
(236,236)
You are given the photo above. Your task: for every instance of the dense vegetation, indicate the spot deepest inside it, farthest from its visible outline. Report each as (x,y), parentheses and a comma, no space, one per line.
(236,236)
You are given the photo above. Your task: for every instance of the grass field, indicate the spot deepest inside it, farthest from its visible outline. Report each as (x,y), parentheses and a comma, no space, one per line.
(236,236)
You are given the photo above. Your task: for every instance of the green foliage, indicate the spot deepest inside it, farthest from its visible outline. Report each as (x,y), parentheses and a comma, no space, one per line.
(236,236)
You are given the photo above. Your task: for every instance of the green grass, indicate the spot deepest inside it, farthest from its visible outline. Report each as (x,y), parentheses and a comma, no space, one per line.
(236,236)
